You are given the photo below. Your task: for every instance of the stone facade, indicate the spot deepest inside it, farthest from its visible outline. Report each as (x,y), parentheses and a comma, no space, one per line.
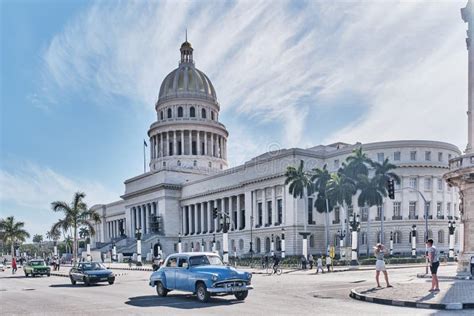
(188,178)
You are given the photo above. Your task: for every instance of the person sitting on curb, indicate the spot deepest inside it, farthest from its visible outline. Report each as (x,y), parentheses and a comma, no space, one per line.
(379,251)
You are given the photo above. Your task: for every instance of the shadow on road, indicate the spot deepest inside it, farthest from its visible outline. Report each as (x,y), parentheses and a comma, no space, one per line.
(79,286)
(13,277)
(182,301)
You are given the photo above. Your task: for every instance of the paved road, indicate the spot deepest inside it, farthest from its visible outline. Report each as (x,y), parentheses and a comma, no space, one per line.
(295,293)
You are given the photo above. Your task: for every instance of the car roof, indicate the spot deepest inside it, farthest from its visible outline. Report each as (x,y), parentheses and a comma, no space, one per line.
(189,254)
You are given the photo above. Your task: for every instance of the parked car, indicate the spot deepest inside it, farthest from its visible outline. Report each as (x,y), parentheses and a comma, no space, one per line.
(203,274)
(36,267)
(91,272)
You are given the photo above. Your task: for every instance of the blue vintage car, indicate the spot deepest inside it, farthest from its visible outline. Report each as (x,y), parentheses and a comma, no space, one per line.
(201,273)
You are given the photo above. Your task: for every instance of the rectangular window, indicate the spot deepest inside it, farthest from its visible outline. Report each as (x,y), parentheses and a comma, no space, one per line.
(280,210)
(440,157)
(310,211)
(170,149)
(412,210)
(413,183)
(413,155)
(439,209)
(260,215)
(396,156)
(269,212)
(427,183)
(380,157)
(440,184)
(337,215)
(428,155)
(428,208)
(242,219)
(397,206)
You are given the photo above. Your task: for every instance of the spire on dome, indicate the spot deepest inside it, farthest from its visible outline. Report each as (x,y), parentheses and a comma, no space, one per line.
(186,51)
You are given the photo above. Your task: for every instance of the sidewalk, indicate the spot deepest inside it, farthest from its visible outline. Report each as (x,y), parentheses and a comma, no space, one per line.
(453,295)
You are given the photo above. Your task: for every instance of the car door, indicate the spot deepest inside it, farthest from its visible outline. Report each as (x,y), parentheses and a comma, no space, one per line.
(182,274)
(170,272)
(76,273)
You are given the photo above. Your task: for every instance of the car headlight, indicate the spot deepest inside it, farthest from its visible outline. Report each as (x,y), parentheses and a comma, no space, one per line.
(249,276)
(214,278)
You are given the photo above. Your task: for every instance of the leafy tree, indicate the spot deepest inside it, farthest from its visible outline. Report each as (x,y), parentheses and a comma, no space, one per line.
(37,238)
(13,232)
(75,215)
(320,179)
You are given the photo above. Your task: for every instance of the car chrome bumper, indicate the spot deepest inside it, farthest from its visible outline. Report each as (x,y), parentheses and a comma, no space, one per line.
(230,289)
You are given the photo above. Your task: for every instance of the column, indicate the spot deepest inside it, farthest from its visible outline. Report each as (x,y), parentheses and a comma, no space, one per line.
(404,202)
(212,145)
(167,143)
(134,219)
(274,206)
(239,213)
(186,221)
(255,208)
(202,217)
(162,144)
(155,149)
(283,206)
(205,143)
(182,142)
(216,220)
(209,216)
(198,143)
(143,219)
(190,142)
(264,206)
(175,145)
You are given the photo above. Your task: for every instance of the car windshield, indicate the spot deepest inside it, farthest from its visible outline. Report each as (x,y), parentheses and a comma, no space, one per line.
(92,266)
(37,263)
(205,261)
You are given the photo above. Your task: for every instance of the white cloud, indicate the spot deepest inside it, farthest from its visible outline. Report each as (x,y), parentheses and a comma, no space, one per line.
(270,61)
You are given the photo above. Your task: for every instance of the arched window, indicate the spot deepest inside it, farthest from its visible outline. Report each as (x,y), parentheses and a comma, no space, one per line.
(241,244)
(311,241)
(212,115)
(203,113)
(397,237)
(257,245)
(267,245)
(169,113)
(278,243)
(180,111)
(441,236)
(192,112)
(363,238)
(161,115)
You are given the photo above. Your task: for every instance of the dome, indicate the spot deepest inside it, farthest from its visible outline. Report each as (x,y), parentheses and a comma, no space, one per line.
(187,80)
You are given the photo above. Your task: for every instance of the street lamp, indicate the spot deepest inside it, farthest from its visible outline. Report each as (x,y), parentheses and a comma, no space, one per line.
(202,245)
(355,228)
(180,249)
(272,247)
(283,243)
(114,252)
(138,236)
(213,242)
(413,241)
(452,228)
(391,243)
(341,234)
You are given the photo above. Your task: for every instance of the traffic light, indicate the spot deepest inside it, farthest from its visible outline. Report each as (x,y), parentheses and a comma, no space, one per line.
(214,213)
(391,189)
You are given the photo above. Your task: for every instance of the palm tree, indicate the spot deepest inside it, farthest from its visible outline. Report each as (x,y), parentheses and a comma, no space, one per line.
(357,164)
(68,243)
(13,232)
(371,194)
(37,238)
(76,215)
(300,187)
(340,190)
(320,180)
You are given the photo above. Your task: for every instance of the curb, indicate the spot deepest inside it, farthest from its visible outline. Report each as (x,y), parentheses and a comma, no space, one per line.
(428,276)
(450,306)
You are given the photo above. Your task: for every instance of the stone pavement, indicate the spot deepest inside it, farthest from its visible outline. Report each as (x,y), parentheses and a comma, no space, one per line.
(453,295)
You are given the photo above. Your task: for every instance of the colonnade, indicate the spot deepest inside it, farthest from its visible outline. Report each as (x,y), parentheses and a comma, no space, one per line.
(141,217)
(113,228)
(188,142)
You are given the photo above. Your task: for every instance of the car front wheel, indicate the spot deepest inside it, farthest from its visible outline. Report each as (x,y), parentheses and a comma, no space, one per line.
(26,274)
(161,290)
(73,282)
(87,281)
(241,295)
(111,282)
(202,293)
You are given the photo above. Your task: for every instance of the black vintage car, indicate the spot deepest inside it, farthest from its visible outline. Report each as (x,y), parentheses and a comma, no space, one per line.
(91,272)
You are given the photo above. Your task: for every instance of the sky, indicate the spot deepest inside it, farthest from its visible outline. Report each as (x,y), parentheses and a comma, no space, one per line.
(79,80)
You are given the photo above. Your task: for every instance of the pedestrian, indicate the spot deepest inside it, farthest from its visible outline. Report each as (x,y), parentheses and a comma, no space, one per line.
(14,267)
(328,263)
(433,258)
(311,261)
(319,266)
(276,263)
(303,262)
(266,261)
(380,251)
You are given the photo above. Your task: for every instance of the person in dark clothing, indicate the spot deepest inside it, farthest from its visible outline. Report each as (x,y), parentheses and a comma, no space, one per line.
(276,263)
(266,261)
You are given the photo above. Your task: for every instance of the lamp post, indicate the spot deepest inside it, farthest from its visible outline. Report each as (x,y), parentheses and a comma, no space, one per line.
(391,243)
(213,242)
(202,244)
(251,239)
(452,228)
(180,249)
(272,246)
(283,253)
(341,234)
(355,228)
(138,236)
(192,247)
(159,249)
(225,240)
(114,252)
(413,241)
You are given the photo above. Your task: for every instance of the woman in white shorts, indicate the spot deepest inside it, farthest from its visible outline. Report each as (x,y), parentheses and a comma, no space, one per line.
(380,250)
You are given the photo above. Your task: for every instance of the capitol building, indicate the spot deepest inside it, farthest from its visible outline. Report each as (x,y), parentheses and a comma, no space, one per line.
(188,177)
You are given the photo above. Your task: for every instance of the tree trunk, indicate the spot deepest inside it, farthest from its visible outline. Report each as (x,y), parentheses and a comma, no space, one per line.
(305,211)
(74,246)
(13,249)
(327,226)
(367,239)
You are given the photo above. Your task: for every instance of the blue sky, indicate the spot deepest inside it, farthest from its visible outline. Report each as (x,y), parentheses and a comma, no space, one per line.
(79,80)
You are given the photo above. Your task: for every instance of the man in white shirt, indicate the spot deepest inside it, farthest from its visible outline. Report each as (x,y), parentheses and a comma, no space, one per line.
(433,258)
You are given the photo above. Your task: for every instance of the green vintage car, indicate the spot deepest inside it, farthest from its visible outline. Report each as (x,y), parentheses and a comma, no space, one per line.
(36,267)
